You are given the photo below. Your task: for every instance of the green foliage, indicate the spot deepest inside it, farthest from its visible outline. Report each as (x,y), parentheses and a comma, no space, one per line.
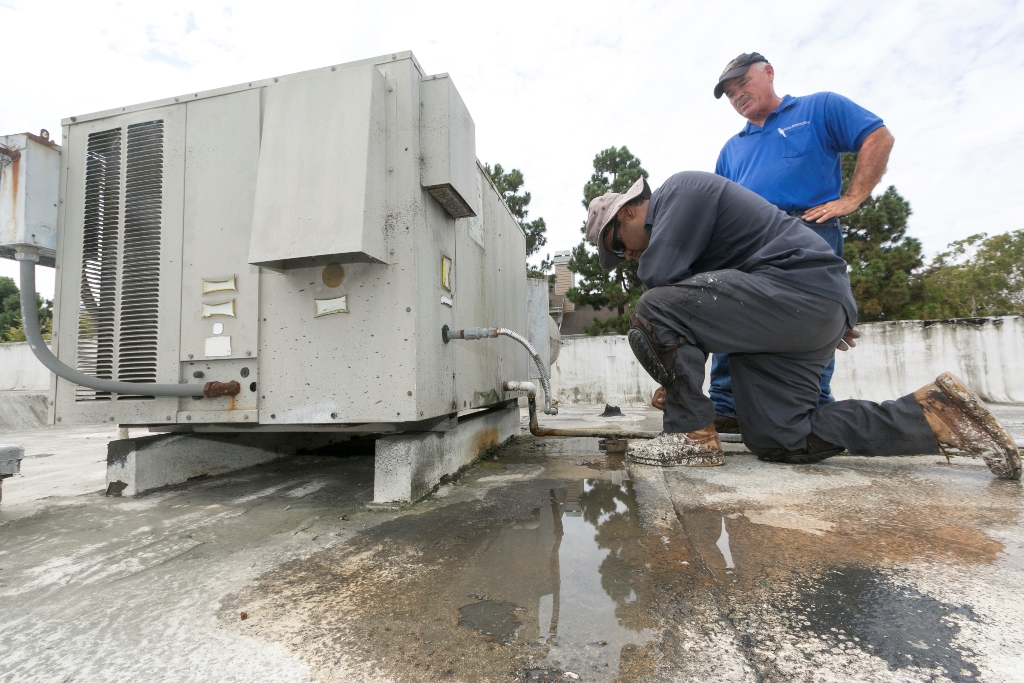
(615,170)
(509,185)
(977,276)
(10,312)
(881,257)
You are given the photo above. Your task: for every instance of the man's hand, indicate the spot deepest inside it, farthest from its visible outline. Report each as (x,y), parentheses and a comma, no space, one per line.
(833,209)
(872,157)
(848,341)
(659,399)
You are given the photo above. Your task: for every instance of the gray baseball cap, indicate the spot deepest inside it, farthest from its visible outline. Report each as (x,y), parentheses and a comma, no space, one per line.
(601,212)
(738,67)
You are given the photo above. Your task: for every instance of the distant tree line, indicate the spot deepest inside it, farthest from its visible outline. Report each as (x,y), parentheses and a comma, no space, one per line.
(10,313)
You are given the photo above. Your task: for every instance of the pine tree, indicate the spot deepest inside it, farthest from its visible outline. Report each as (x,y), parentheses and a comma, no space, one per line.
(615,170)
(508,186)
(882,259)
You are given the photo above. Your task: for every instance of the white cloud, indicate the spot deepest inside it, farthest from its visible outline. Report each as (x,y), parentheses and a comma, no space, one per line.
(550,84)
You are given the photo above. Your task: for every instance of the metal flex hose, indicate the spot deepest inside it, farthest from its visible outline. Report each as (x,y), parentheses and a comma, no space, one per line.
(30,322)
(494,332)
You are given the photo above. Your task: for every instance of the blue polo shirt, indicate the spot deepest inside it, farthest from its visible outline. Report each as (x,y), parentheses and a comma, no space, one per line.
(793,160)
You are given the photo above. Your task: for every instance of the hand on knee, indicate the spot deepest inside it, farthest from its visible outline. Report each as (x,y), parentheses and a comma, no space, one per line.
(659,399)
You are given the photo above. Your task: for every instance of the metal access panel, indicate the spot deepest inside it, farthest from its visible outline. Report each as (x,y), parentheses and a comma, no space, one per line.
(290,246)
(29,177)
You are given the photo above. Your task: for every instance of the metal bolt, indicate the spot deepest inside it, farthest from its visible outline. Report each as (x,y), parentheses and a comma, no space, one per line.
(197,374)
(273,416)
(248,353)
(332,68)
(409,393)
(334,416)
(190,356)
(275,80)
(168,418)
(188,417)
(252,386)
(408,308)
(244,372)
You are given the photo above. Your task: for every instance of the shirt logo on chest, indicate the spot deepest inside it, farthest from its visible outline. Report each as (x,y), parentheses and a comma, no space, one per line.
(782,131)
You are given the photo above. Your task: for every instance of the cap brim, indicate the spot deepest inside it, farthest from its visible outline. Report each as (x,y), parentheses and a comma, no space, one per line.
(607,258)
(731,73)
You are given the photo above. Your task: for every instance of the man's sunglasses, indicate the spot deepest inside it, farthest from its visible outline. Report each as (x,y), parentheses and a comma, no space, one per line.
(618,248)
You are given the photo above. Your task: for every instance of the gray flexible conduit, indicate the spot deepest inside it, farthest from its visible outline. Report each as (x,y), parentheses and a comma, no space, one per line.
(545,377)
(30,322)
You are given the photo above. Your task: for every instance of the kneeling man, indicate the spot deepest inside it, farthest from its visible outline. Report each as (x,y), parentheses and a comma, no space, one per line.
(727,272)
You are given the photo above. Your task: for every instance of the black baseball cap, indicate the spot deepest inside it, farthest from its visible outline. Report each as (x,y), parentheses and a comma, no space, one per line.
(738,67)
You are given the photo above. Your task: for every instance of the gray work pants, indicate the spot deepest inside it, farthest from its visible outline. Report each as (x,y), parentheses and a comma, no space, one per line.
(778,339)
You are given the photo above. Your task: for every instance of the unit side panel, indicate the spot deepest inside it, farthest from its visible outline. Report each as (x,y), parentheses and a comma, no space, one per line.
(222,154)
(474,360)
(343,367)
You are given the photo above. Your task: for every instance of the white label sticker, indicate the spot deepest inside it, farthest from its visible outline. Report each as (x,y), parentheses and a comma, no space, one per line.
(218,285)
(446,301)
(218,346)
(329,306)
(218,328)
(226,308)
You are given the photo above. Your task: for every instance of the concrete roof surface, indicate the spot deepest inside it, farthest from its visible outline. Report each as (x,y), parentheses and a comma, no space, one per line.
(549,560)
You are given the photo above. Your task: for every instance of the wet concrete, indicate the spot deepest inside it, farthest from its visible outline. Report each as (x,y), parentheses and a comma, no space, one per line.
(550,560)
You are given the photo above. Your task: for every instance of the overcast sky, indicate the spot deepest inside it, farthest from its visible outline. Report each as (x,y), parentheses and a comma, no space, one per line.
(551,83)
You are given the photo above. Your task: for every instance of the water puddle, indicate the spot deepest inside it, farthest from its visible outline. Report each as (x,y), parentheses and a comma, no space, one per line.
(495,620)
(723,547)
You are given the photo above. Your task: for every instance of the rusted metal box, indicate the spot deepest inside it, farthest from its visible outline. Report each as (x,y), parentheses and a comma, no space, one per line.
(285,238)
(29,179)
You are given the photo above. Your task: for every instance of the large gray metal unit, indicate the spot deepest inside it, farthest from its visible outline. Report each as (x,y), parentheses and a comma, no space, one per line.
(308,236)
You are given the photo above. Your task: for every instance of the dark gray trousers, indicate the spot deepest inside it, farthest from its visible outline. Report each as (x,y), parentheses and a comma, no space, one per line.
(778,339)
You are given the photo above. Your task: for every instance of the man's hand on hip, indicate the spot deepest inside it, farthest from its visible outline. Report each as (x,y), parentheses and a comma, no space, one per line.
(833,209)
(659,398)
(848,341)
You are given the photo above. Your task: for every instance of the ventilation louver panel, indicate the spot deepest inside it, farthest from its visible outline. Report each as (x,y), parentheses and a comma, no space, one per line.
(119,309)
(140,272)
(99,260)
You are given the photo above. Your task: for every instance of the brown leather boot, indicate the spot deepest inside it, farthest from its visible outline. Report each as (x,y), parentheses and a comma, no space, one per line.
(959,419)
(726,425)
(701,448)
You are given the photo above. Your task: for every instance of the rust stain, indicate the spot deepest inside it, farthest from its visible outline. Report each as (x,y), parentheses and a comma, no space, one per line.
(489,438)
(218,389)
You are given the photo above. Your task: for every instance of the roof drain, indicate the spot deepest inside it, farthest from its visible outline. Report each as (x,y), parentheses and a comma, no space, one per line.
(30,322)
(537,430)
(493,332)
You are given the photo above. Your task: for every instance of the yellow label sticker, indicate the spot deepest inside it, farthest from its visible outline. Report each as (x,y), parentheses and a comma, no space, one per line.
(446,273)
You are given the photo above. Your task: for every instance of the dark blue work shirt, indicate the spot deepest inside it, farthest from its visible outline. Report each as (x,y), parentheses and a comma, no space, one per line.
(699,222)
(793,160)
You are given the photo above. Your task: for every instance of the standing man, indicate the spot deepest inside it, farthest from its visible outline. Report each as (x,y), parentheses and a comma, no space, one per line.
(789,153)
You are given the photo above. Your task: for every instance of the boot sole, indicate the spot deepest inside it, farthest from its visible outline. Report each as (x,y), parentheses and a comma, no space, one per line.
(686,461)
(965,399)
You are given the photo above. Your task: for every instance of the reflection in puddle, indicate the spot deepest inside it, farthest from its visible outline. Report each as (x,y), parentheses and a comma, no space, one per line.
(575,562)
(723,547)
(495,620)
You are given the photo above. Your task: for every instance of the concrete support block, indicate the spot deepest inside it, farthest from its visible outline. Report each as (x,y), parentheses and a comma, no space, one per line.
(409,466)
(10,463)
(149,462)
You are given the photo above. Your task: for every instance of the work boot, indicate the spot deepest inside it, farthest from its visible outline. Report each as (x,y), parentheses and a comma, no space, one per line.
(726,425)
(959,419)
(692,449)
(816,450)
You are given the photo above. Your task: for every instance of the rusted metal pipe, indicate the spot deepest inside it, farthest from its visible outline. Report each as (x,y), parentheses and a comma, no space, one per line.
(537,430)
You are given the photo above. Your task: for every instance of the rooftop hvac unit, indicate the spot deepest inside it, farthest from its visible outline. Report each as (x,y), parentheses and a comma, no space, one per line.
(307,236)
